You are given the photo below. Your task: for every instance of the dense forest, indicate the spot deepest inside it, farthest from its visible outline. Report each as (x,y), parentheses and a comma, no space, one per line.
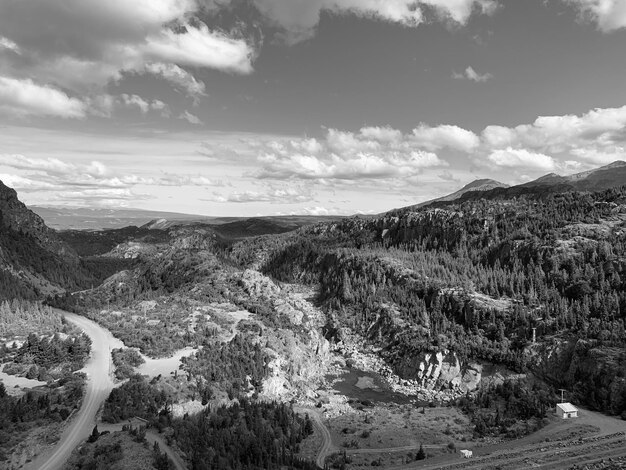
(246,435)
(135,398)
(230,367)
(49,348)
(22,252)
(512,408)
(243,435)
(21,317)
(18,415)
(38,356)
(558,262)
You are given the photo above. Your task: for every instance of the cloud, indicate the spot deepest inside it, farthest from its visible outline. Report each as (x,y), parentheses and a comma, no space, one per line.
(609,15)
(197,46)
(25,184)
(599,156)
(460,10)
(521,158)
(318,211)
(190,118)
(6,43)
(99,197)
(51,165)
(26,98)
(371,153)
(362,165)
(471,74)
(283,195)
(558,143)
(600,128)
(436,138)
(53,175)
(550,143)
(77,48)
(297,19)
(81,46)
(381,134)
(178,77)
(136,101)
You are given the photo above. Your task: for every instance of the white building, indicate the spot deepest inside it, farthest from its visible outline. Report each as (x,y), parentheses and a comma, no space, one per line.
(468,454)
(566,410)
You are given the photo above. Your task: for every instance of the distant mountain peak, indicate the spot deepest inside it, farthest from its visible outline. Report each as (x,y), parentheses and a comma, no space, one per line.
(483,184)
(598,179)
(480,183)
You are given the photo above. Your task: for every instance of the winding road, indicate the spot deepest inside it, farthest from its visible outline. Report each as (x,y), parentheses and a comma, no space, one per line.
(327,446)
(99,370)
(99,385)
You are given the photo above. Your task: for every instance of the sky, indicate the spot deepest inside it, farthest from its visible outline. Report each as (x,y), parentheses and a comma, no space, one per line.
(266,107)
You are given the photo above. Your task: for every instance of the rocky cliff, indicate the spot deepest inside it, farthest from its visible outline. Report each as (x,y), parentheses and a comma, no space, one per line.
(591,374)
(15,216)
(441,370)
(34,261)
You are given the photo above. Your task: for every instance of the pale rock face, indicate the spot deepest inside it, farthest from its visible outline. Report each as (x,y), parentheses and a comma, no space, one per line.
(256,284)
(437,371)
(297,368)
(276,386)
(295,316)
(191,407)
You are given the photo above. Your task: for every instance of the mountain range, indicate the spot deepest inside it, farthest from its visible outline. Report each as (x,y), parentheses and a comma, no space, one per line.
(597,179)
(36,260)
(82,218)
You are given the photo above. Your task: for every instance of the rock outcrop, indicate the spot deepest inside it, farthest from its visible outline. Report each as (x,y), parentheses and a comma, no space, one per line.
(592,374)
(15,216)
(441,370)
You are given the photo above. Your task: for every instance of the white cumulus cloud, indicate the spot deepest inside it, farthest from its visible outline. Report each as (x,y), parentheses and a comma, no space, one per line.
(81,46)
(23,97)
(436,138)
(299,18)
(609,15)
(521,158)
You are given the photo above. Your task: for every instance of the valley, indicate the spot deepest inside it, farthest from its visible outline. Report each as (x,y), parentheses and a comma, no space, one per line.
(393,341)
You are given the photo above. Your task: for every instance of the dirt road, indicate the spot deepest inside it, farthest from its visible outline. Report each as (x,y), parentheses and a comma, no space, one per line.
(99,385)
(591,438)
(560,445)
(328,447)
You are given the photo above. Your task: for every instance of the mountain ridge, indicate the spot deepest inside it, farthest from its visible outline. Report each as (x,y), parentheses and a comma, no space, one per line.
(597,179)
(35,261)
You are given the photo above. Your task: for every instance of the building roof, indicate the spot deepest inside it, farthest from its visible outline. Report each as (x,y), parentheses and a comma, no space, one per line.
(567,407)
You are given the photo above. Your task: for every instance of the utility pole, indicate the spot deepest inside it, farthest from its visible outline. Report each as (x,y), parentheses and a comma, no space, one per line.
(534,335)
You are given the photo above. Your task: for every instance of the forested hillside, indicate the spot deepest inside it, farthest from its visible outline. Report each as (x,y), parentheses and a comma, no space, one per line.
(35,262)
(475,277)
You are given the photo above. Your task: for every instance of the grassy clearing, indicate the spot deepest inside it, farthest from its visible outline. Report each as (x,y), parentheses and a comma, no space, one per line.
(382,427)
